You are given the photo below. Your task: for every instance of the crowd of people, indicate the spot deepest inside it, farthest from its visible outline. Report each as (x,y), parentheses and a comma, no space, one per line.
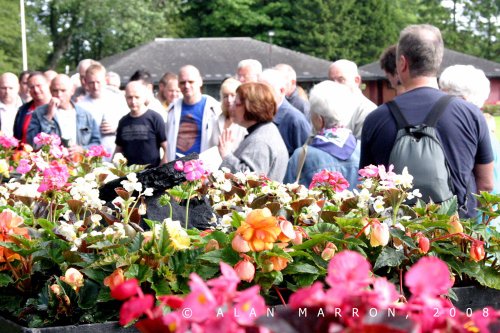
(265,122)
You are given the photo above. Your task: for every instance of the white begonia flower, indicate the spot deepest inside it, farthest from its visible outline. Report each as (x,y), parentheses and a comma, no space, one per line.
(405,179)
(367,183)
(118,202)
(148,192)
(95,233)
(66,230)
(415,193)
(108,231)
(378,205)
(119,159)
(251,197)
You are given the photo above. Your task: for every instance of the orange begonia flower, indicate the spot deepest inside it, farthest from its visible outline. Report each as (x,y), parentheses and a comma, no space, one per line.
(9,225)
(279,263)
(116,278)
(260,230)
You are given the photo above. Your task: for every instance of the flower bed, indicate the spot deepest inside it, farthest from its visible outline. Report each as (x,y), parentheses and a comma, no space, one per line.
(62,249)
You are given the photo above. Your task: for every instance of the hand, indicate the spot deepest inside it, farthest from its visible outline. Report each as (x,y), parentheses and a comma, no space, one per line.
(75,150)
(225,143)
(107,128)
(52,107)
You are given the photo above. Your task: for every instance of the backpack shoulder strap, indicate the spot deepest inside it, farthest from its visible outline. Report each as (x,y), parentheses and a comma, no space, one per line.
(396,113)
(437,110)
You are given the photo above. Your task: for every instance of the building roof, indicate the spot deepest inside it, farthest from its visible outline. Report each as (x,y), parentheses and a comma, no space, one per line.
(373,72)
(216,58)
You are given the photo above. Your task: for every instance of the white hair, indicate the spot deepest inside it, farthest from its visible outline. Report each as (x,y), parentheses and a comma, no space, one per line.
(276,80)
(467,82)
(254,64)
(287,70)
(348,67)
(334,102)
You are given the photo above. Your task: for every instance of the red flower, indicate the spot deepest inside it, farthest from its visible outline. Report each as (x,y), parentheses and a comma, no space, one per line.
(125,290)
(134,308)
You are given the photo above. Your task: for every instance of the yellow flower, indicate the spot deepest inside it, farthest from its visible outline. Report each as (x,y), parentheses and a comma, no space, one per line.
(4,168)
(178,236)
(260,230)
(74,278)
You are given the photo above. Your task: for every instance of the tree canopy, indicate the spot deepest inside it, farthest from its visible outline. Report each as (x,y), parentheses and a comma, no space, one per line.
(62,32)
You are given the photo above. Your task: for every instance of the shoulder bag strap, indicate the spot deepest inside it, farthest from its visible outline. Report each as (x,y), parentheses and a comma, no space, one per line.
(398,116)
(302,157)
(437,110)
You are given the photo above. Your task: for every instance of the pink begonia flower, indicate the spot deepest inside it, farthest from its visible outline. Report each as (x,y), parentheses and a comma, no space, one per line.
(200,301)
(370,171)
(135,307)
(428,277)
(8,142)
(225,286)
(24,166)
(313,296)
(59,151)
(97,151)
(329,178)
(350,270)
(384,294)
(245,270)
(179,166)
(55,177)
(40,163)
(430,312)
(249,305)
(194,169)
(47,139)
(483,321)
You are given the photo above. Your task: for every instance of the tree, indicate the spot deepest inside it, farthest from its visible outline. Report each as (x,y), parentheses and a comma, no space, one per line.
(98,28)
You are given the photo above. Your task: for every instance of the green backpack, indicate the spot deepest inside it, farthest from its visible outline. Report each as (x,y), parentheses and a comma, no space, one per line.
(418,148)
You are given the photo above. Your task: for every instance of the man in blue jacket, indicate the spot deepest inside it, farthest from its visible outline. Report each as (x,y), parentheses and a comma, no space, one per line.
(76,126)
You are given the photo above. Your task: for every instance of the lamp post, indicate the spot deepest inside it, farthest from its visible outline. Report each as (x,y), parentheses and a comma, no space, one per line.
(270,33)
(23,36)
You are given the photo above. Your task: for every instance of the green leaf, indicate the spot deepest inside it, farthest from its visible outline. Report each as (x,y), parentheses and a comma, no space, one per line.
(448,207)
(5,279)
(140,272)
(400,234)
(489,277)
(161,287)
(236,219)
(389,257)
(48,226)
(207,272)
(305,280)
(88,294)
(300,267)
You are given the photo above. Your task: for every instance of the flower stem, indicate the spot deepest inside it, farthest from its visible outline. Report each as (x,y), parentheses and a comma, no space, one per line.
(279,295)
(187,206)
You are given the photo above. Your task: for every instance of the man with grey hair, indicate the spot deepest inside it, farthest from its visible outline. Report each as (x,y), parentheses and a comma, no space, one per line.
(334,147)
(292,95)
(346,72)
(248,70)
(461,129)
(292,124)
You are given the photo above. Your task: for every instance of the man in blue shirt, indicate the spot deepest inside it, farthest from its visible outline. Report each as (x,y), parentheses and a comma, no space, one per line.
(292,124)
(462,129)
(191,120)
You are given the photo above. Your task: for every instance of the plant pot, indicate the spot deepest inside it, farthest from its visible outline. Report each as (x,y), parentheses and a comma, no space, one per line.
(7,326)
(476,298)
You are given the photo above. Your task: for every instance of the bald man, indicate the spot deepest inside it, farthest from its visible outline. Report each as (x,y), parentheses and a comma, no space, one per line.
(346,72)
(192,118)
(141,133)
(76,126)
(9,102)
